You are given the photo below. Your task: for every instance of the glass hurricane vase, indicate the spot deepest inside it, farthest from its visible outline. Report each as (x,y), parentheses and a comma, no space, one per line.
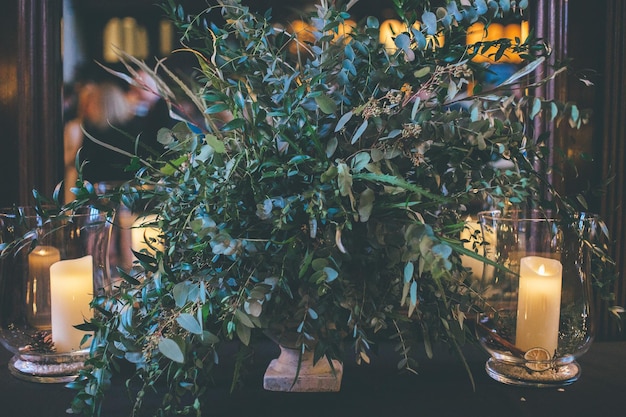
(50,271)
(534,297)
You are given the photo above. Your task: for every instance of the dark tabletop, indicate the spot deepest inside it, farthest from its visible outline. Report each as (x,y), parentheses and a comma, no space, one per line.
(441,389)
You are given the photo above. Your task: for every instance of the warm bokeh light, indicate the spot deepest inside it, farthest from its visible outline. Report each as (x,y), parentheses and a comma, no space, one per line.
(303,33)
(345,29)
(127,35)
(391,28)
(433,42)
(495,31)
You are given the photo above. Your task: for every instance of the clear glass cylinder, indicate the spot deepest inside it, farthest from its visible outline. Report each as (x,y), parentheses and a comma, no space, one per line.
(534,296)
(120,255)
(51,268)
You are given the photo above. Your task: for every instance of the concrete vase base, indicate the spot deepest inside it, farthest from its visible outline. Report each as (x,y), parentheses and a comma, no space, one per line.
(281,373)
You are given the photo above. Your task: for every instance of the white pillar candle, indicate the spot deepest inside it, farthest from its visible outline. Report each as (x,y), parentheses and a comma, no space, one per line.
(144,236)
(38,285)
(71,292)
(472,228)
(539,303)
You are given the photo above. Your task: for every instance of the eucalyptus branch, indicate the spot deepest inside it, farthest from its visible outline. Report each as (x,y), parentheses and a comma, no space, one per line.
(405,355)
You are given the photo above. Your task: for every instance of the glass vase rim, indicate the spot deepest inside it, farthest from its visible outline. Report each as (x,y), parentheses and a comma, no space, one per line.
(535,215)
(33,212)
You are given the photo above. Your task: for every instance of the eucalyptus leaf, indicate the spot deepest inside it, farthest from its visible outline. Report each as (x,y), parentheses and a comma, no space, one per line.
(377,155)
(422,72)
(319,264)
(181,293)
(359,161)
(318,276)
(298,159)
(403,42)
(189,323)
(171,350)
(445,18)
(429,22)
(217,108)
(244,334)
(360,130)
(243,319)
(420,39)
(405,293)
(330,174)
(554,111)
(366,204)
(326,104)
(454,11)
(574,115)
(523,71)
(343,120)
(234,125)
(408,271)
(536,108)
(481,6)
(331,274)
(349,66)
(165,136)
(331,147)
(442,250)
(253,307)
(344,179)
(413,293)
(134,357)
(209,338)
(416,106)
(452,91)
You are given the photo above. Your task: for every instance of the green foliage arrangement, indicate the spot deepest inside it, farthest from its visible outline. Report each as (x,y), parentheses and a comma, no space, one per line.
(320,198)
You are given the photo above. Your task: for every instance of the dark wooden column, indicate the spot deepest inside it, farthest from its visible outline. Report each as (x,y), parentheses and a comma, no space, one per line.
(614,150)
(30,99)
(593,38)
(8,103)
(548,19)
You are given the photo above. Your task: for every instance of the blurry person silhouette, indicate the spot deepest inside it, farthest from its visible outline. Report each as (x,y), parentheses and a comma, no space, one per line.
(150,111)
(102,113)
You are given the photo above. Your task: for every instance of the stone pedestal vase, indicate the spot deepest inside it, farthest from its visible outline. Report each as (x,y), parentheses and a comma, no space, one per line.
(282,374)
